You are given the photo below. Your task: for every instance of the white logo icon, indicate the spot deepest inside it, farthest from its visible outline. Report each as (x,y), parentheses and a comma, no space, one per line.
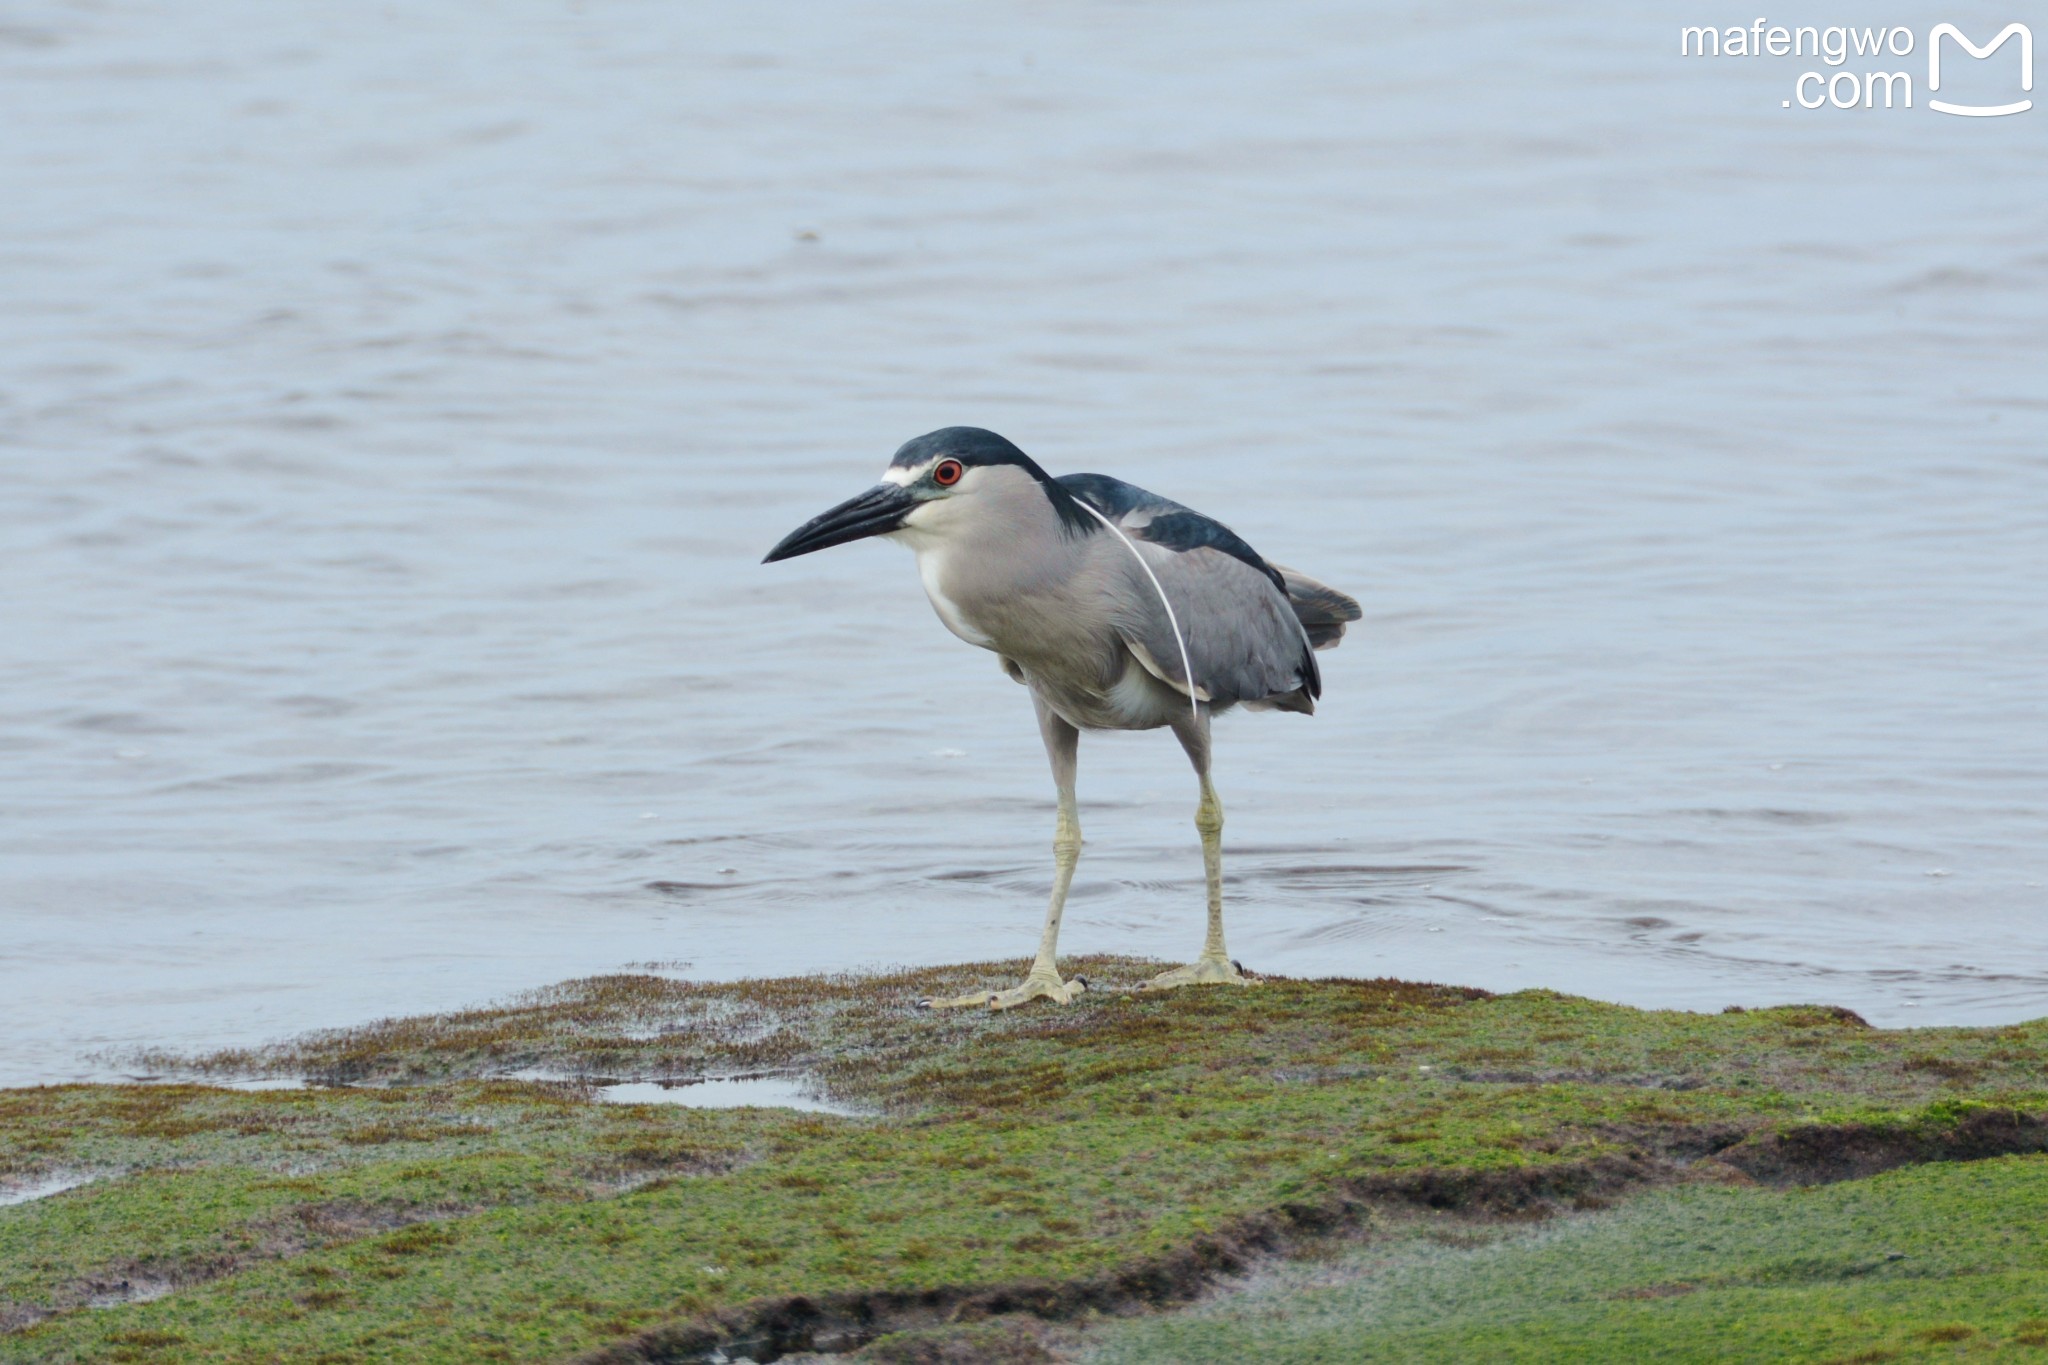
(2026,38)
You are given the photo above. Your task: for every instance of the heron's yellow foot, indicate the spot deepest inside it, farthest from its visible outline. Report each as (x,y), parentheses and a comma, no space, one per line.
(1040,984)
(1203,971)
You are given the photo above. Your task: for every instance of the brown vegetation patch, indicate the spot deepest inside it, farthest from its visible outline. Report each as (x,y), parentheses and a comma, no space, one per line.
(1948,1068)
(846,1030)
(378,1134)
(417,1240)
(1807,1016)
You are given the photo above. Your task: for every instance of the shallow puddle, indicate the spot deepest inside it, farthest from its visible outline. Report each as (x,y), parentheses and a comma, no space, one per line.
(42,1187)
(263,1083)
(732,1092)
(246,1083)
(770,1092)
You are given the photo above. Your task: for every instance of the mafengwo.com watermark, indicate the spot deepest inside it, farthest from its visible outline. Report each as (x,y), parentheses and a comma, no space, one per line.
(1854,58)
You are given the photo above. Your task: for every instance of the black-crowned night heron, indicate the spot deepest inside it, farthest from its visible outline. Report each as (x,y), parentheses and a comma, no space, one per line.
(1117,608)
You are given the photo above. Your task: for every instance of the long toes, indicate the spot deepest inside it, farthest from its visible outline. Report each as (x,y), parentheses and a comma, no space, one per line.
(1032,988)
(1037,988)
(1203,972)
(958,1002)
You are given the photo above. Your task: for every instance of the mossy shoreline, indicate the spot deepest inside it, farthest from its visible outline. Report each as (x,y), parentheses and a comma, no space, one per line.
(1068,1164)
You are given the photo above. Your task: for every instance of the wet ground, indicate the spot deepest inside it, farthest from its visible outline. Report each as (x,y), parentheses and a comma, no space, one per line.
(393,409)
(436,1210)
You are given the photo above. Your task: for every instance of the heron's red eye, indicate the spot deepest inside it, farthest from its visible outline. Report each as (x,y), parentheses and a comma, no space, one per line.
(946,473)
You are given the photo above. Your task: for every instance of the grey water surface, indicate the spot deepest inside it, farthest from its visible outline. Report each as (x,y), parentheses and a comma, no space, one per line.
(395,402)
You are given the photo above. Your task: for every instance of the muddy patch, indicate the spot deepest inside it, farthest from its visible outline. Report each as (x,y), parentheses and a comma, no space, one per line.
(309,1227)
(28,1189)
(1819,1154)
(112,1286)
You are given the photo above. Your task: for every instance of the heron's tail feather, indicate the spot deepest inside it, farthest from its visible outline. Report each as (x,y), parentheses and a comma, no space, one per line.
(1324,611)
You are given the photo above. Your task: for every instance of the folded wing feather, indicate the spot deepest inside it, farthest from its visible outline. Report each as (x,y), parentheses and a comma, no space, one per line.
(1250,627)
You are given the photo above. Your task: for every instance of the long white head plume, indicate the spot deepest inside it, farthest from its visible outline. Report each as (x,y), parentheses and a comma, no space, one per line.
(1187,666)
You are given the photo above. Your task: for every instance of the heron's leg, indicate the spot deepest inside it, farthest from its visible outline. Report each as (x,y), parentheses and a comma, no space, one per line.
(1062,746)
(1214,965)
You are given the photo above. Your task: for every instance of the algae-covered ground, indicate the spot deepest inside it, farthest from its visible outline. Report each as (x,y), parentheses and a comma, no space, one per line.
(1453,1175)
(1924,1263)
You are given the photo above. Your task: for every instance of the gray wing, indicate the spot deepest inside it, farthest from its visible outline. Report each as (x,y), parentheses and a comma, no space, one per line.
(1244,639)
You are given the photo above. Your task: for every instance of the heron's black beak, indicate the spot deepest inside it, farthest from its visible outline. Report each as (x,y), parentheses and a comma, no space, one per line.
(879,510)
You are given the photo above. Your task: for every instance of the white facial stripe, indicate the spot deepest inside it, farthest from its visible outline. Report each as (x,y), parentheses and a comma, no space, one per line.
(902,477)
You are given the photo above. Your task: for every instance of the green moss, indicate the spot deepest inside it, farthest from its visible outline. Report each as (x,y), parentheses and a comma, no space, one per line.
(1903,1266)
(458,1217)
